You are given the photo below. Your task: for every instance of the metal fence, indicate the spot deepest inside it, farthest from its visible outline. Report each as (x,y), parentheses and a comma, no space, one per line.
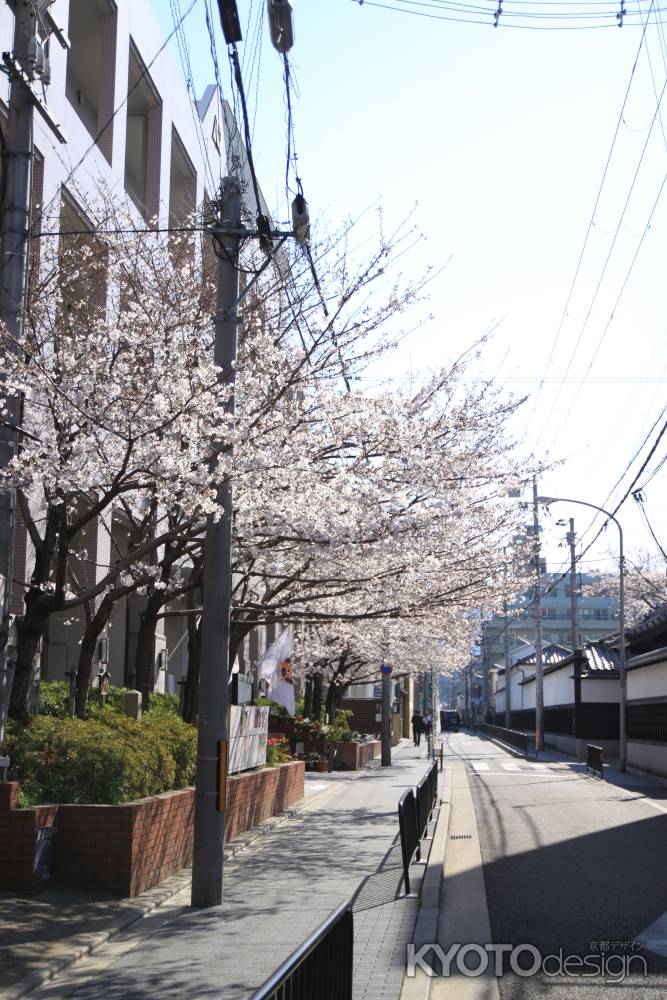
(595,760)
(523,742)
(407,824)
(320,968)
(427,793)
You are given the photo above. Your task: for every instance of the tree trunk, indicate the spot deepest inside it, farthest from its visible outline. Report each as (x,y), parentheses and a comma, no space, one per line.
(308,697)
(93,630)
(333,698)
(317,696)
(30,629)
(144,658)
(191,693)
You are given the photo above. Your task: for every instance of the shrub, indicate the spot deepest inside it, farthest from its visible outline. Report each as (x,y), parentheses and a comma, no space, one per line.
(108,758)
(53,698)
(276,710)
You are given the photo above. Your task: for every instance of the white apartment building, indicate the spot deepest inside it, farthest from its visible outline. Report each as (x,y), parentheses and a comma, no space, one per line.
(123,103)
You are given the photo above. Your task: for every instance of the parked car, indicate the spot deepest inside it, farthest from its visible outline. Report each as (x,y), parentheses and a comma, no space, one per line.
(450,721)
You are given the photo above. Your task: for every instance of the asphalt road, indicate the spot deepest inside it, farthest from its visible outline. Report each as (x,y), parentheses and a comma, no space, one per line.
(573,866)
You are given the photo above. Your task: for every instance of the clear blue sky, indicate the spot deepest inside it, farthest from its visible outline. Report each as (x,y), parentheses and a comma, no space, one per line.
(495,141)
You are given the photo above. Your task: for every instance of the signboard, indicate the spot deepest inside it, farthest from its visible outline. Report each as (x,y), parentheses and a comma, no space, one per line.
(386,669)
(45,852)
(248,733)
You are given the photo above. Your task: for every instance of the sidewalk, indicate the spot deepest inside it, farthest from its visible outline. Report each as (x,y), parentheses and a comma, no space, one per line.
(341,842)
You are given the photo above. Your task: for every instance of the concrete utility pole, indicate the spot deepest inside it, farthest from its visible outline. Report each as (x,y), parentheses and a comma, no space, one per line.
(539,677)
(24,65)
(622,673)
(571,539)
(210,783)
(385,729)
(508,670)
(17,169)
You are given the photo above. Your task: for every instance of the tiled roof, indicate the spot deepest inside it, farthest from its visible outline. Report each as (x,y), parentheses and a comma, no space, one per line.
(654,619)
(645,659)
(601,659)
(551,655)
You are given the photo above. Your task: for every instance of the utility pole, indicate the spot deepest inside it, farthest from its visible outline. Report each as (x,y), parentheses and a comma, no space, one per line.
(210,783)
(385,728)
(539,674)
(24,65)
(571,539)
(508,669)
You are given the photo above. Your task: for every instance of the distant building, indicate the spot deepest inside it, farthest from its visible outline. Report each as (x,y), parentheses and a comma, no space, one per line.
(597,617)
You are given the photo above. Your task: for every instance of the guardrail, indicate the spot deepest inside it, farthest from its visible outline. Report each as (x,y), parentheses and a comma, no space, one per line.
(320,967)
(523,742)
(407,824)
(595,760)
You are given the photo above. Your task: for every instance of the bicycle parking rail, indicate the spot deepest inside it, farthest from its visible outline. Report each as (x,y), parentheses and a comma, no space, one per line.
(595,760)
(427,793)
(321,967)
(407,824)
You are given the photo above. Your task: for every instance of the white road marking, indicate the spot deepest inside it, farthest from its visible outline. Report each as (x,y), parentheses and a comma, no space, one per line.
(510,765)
(529,766)
(478,765)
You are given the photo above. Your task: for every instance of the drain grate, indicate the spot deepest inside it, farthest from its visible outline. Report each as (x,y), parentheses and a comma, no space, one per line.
(461,836)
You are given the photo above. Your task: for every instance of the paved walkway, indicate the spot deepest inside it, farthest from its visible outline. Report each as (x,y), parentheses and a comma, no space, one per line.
(342,844)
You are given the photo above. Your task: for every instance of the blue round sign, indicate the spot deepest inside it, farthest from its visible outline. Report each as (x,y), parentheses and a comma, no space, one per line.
(386,669)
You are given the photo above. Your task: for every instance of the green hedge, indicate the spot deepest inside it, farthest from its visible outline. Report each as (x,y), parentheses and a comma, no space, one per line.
(108,758)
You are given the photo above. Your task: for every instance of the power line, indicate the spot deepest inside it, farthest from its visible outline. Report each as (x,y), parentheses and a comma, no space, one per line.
(592,219)
(468,15)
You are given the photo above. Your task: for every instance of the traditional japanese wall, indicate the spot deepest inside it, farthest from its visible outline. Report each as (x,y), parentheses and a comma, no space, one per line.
(128,848)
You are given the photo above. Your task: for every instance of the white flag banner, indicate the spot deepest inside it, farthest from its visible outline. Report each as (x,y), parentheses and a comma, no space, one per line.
(275,666)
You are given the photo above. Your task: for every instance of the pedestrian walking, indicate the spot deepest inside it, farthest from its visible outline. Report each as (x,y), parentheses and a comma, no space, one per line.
(428,725)
(417,728)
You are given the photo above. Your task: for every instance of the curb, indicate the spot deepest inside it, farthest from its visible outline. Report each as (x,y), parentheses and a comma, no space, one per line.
(432,887)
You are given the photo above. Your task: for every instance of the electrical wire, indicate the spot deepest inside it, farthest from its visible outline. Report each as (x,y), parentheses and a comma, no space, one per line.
(592,219)
(638,496)
(184,55)
(463,14)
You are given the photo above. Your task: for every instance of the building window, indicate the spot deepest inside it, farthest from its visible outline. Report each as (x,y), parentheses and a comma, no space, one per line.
(91,68)
(143,139)
(182,193)
(83,271)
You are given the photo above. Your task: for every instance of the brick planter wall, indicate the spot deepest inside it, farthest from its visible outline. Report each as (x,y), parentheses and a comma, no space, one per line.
(128,848)
(354,756)
(18,833)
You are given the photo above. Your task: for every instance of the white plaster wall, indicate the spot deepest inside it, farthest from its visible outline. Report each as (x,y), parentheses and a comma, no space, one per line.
(559,687)
(528,696)
(648,682)
(648,757)
(600,690)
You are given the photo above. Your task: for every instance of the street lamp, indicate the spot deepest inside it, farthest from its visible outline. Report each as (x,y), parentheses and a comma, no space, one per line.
(621,614)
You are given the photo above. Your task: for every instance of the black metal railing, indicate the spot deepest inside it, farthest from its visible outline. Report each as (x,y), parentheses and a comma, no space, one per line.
(320,967)
(523,742)
(407,824)
(427,793)
(595,760)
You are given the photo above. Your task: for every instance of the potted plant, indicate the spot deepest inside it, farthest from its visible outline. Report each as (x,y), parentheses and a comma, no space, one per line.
(322,765)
